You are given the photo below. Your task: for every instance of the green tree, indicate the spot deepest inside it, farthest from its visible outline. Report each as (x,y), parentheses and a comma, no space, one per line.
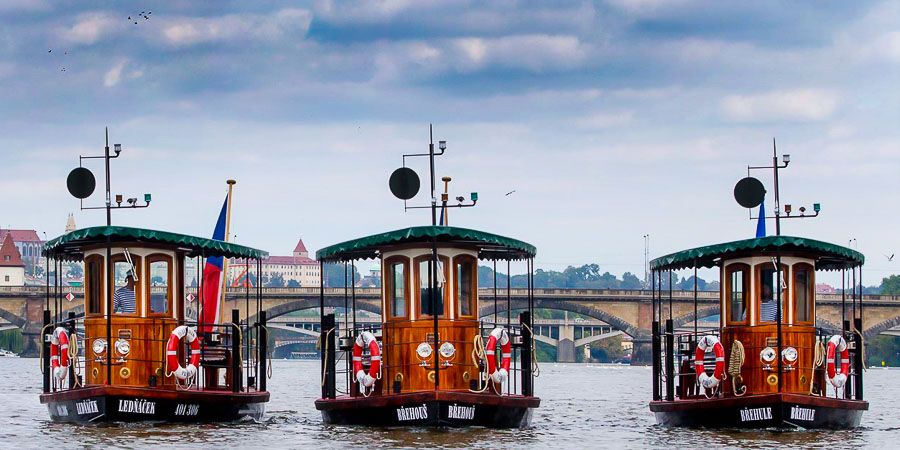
(334,275)
(891,285)
(293,283)
(883,349)
(631,281)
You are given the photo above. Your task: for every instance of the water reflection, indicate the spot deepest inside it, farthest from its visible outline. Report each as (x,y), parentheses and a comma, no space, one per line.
(582,406)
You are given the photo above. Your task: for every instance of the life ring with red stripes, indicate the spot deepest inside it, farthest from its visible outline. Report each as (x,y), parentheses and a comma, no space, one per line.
(183,332)
(366,339)
(498,336)
(837,344)
(706,343)
(59,353)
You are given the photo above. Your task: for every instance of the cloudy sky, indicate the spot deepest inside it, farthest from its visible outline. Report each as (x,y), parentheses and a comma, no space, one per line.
(610,119)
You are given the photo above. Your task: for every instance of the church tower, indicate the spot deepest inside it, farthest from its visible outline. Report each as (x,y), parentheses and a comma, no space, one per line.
(70,224)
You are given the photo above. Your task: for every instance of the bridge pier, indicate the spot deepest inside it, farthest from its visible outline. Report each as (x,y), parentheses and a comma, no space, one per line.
(565,351)
(641,355)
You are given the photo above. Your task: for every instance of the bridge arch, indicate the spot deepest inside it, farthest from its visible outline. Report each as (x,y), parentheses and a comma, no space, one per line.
(707,311)
(308,303)
(880,327)
(577,308)
(13,318)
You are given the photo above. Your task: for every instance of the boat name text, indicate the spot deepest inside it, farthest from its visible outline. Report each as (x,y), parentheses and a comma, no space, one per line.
(799,413)
(754,414)
(137,406)
(460,412)
(412,413)
(87,407)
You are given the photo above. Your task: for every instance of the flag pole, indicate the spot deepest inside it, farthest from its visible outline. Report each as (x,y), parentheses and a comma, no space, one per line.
(221,312)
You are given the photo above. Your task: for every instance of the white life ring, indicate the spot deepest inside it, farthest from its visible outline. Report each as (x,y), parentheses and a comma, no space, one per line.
(59,353)
(179,333)
(498,336)
(366,339)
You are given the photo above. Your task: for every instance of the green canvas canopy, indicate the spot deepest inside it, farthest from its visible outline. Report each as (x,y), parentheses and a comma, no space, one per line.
(490,246)
(828,256)
(70,246)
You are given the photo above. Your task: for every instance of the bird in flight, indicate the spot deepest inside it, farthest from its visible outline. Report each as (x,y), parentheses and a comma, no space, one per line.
(889,258)
(510,192)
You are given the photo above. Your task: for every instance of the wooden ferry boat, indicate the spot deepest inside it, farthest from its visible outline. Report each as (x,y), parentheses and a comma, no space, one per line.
(153,364)
(771,362)
(149,347)
(432,361)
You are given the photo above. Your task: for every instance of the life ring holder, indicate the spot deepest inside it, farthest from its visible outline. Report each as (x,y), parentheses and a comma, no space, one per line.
(183,374)
(366,380)
(704,381)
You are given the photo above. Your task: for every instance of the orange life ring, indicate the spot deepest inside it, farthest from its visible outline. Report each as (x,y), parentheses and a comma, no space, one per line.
(59,353)
(179,333)
(837,344)
(498,335)
(366,339)
(706,343)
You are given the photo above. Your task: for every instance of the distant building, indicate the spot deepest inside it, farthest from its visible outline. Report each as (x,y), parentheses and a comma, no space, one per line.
(298,268)
(373,279)
(823,288)
(28,244)
(70,224)
(12,269)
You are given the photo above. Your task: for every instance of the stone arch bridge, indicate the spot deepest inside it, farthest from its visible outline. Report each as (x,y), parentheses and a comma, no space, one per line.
(628,311)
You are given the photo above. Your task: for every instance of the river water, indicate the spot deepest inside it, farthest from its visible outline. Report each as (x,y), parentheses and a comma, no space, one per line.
(583,406)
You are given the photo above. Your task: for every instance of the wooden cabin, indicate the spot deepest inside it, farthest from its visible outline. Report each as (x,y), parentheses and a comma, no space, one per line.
(415,359)
(773,348)
(125,348)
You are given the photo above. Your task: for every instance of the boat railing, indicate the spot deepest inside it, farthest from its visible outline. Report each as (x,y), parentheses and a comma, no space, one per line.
(234,356)
(683,359)
(464,349)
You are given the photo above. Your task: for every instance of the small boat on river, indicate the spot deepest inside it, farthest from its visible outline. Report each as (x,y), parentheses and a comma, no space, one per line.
(433,360)
(149,347)
(771,362)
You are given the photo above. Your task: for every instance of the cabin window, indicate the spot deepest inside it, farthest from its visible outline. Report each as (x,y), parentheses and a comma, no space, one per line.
(160,284)
(126,290)
(737,293)
(465,285)
(803,293)
(398,289)
(93,275)
(768,292)
(423,263)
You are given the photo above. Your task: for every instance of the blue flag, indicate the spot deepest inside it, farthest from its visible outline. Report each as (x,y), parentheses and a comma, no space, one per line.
(761,222)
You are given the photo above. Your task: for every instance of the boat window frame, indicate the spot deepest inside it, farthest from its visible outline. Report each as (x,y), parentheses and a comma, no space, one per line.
(417,292)
(137,260)
(388,283)
(746,271)
(810,292)
(757,297)
(88,285)
(150,259)
(473,290)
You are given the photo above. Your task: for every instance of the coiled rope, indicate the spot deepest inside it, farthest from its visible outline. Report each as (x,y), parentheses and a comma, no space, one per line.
(735,363)
(324,351)
(818,360)
(535,369)
(478,356)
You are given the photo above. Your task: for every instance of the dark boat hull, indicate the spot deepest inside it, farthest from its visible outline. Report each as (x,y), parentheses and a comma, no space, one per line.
(762,411)
(433,408)
(120,404)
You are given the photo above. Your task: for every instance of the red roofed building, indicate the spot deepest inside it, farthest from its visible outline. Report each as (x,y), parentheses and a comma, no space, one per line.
(12,269)
(27,243)
(297,269)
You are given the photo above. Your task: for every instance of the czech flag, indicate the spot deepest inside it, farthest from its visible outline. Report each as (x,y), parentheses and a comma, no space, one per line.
(212,276)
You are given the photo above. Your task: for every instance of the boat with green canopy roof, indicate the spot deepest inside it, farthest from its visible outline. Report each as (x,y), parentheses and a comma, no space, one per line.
(770,362)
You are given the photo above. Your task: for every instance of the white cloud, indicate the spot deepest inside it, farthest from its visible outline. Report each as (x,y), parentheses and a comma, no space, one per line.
(114,74)
(190,31)
(790,105)
(90,28)
(605,120)
(535,52)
